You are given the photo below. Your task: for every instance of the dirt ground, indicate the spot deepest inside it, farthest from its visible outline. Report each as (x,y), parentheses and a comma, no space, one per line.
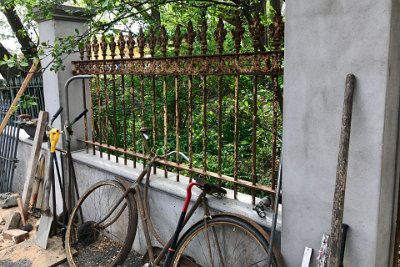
(27,253)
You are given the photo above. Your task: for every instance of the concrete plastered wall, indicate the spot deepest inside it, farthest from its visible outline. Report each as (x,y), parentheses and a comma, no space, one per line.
(325,40)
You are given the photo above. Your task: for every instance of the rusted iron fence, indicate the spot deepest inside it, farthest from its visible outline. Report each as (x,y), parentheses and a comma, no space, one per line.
(221,108)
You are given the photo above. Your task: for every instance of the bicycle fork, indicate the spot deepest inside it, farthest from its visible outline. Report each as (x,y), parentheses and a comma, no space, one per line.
(181,223)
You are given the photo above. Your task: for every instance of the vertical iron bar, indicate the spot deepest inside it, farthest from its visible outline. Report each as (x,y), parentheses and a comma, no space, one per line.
(133,119)
(219,126)
(153,89)
(274,131)
(177,118)
(236,136)
(190,85)
(254,139)
(99,113)
(124,116)
(165,123)
(115,116)
(143,110)
(107,113)
(204,80)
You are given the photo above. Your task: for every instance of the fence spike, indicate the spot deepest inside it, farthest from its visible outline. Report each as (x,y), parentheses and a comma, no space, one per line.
(220,34)
(95,47)
(190,37)
(131,44)
(141,42)
(177,40)
(277,30)
(163,40)
(256,30)
(152,42)
(88,50)
(121,45)
(238,31)
(113,46)
(203,37)
(81,51)
(103,46)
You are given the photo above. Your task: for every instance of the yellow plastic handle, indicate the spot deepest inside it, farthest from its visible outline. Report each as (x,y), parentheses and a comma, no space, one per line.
(54,134)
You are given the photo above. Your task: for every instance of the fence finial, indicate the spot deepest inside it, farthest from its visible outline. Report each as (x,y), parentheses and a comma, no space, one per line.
(190,37)
(220,34)
(103,46)
(141,42)
(163,40)
(113,45)
(256,30)
(121,45)
(203,36)
(131,44)
(152,42)
(177,40)
(88,50)
(95,47)
(237,32)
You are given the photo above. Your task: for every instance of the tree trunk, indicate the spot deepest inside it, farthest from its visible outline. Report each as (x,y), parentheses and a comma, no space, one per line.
(5,71)
(28,47)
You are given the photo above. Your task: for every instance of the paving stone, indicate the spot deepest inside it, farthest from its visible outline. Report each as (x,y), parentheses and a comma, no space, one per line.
(8,200)
(16,235)
(12,221)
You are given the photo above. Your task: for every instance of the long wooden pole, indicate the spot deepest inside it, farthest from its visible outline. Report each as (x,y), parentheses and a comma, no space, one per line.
(21,91)
(341,175)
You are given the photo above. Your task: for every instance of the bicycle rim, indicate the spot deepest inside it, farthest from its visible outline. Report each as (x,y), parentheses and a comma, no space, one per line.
(222,241)
(93,241)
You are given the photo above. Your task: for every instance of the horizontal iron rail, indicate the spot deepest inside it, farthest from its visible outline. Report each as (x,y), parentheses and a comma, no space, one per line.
(260,63)
(185,167)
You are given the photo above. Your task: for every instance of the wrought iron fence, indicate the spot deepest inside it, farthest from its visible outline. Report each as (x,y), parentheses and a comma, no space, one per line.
(10,136)
(221,109)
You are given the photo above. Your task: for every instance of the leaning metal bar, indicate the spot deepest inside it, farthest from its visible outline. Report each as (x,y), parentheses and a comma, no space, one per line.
(274,130)
(91,109)
(85,121)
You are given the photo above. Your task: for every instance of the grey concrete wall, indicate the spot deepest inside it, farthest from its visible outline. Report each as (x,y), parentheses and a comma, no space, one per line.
(325,40)
(166,196)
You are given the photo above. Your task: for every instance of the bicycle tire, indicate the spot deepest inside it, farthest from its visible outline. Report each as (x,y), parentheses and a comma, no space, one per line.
(246,246)
(109,243)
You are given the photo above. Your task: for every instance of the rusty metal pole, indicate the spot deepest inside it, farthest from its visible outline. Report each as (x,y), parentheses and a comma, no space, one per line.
(341,175)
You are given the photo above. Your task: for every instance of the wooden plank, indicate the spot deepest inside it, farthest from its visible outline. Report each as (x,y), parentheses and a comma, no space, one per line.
(341,175)
(20,92)
(34,158)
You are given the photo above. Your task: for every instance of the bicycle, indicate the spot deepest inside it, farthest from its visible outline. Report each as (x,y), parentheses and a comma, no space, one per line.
(105,236)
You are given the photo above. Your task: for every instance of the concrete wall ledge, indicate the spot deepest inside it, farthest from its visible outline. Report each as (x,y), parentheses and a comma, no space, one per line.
(178,189)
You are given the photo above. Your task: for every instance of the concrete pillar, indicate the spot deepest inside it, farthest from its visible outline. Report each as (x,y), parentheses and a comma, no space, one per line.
(325,40)
(65,21)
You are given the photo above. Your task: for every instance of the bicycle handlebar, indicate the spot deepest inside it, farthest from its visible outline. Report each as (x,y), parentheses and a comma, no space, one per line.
(79,117)
(180,153)
(60,109)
